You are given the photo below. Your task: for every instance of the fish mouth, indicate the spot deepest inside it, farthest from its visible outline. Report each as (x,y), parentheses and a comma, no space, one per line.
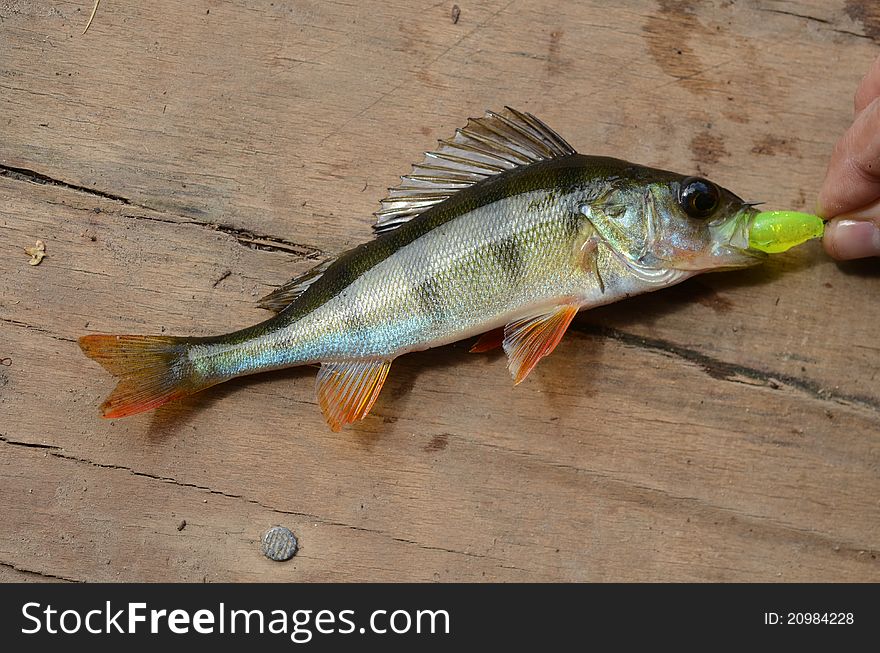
(731,248)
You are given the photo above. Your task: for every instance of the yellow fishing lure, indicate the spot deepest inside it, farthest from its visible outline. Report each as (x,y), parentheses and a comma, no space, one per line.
(778,231)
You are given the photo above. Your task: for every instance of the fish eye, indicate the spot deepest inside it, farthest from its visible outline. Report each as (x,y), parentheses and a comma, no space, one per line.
(698,197)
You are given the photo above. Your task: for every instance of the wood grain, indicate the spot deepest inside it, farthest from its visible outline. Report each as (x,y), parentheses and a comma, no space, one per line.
(181,159)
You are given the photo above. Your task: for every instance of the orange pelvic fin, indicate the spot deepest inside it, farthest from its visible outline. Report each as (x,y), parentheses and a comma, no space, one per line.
(528,340)
(152,370)
(347,390)
(488,341)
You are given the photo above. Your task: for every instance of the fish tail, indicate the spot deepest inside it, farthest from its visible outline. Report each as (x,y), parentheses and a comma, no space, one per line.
(152,370)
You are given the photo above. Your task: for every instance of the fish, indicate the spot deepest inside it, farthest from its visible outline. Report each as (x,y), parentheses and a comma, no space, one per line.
(503,232)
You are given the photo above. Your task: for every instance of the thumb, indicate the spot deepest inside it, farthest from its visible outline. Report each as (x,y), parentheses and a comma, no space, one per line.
(854,235)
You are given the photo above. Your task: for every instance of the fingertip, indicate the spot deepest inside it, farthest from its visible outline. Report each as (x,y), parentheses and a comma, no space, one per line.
(847,239)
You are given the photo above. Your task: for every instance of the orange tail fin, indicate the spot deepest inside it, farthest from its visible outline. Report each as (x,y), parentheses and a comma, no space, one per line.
(152,370)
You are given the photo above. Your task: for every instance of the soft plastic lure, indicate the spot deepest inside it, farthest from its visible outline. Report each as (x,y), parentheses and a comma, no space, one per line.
(504,231)
(778,231)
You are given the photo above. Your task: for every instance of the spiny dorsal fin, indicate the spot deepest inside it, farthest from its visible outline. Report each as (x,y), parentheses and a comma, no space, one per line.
(347,390)
(484,147)
(283,296)
(528,340)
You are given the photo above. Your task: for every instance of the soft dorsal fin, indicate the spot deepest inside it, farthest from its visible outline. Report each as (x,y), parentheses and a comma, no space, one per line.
(283,296)
(484,147)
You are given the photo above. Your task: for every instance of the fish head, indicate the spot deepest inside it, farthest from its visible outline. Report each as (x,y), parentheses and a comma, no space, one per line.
(657,220)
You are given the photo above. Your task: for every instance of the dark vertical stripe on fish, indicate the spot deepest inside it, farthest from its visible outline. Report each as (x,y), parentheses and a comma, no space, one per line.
(509,258)
(430,298)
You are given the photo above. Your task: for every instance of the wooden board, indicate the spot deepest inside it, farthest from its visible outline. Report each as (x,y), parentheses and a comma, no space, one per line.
(181,159)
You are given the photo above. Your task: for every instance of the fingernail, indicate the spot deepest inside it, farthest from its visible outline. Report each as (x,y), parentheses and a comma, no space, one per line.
(849,239)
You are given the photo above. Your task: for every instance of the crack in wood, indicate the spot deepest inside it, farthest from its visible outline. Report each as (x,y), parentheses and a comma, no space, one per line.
(226,274)
(404,540)
(42,574)
(816,19)
(269,243)
(725,371)
(56,452)
(33,177)
(32,445)
(25,325)
(244,237)
(796,15)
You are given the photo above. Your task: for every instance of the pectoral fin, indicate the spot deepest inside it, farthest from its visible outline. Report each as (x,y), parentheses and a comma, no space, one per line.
(488,341)
(528,340)
(347,390)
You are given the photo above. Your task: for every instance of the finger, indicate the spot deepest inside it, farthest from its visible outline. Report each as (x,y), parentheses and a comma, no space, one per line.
(868,89)
(846,238)
(869,212)
(853,177)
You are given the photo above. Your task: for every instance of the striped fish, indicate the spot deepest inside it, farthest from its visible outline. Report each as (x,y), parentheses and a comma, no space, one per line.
(503,232)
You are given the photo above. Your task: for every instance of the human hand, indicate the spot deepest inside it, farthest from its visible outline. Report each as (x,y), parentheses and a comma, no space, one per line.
(850,193)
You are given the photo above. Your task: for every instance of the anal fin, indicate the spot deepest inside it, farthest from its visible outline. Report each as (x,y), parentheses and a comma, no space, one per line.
(347,390)
(528,340)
